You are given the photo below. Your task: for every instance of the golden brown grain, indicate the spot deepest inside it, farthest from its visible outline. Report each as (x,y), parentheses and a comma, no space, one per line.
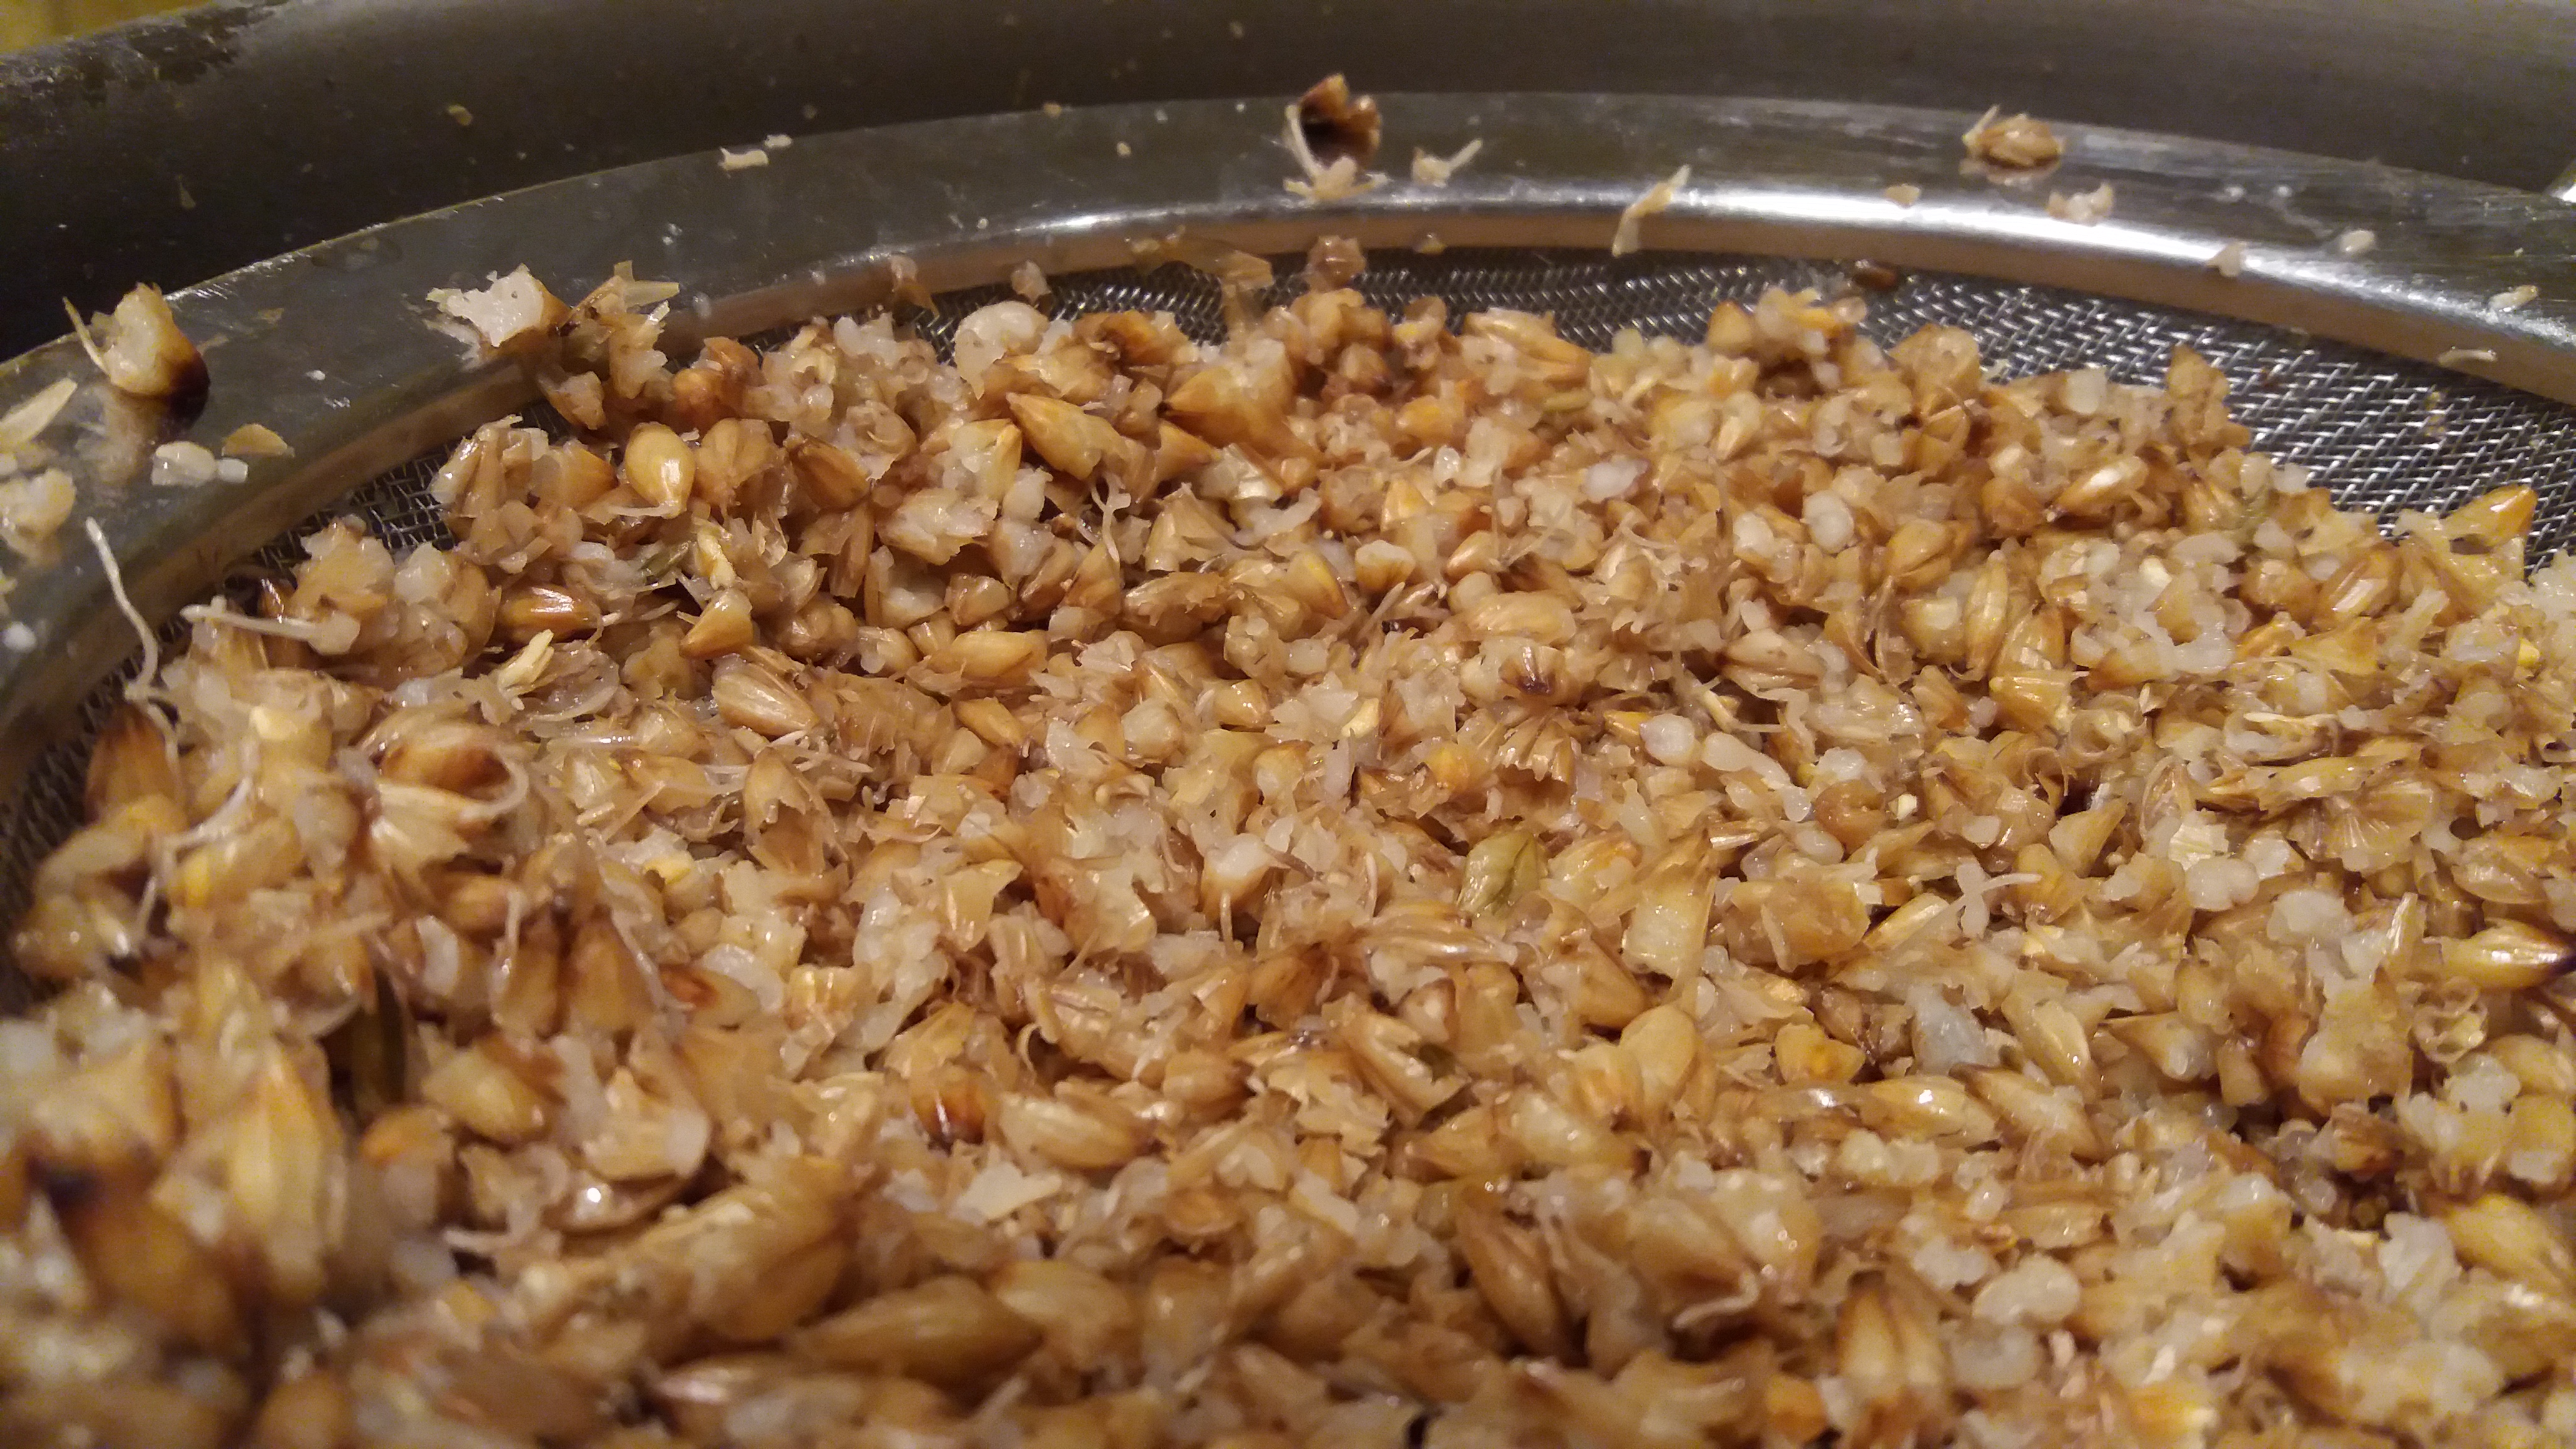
(1122,891)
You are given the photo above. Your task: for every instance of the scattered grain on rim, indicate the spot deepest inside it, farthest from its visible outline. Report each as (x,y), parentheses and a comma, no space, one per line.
(255,440)
(2015,142)
(2084,208)
(1627,236)
(1430,170)
(182,464)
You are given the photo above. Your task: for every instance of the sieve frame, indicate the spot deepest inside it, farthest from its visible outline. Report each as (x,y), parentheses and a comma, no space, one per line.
(330,346)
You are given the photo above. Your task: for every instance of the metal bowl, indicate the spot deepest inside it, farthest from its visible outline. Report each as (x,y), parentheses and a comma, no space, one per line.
(187,145)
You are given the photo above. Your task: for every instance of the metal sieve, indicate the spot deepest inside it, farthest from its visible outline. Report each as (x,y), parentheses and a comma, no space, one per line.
(2407,374)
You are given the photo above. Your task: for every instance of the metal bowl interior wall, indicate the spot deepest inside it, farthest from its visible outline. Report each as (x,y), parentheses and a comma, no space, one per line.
(162,140)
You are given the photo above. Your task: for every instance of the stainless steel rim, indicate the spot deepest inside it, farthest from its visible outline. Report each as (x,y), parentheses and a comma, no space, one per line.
(329,347)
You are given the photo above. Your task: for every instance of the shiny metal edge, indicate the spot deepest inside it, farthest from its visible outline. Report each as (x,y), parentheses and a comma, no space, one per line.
(330,347)
(161,143)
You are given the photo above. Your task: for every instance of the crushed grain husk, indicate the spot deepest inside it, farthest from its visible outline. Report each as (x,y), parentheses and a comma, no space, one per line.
(1333,135)
(1335,122)
(1380,882)
(2014,143)
(511,311)
(255,440)
(140,348)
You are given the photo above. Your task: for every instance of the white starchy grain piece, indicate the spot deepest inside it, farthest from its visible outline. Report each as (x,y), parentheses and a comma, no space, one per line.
(2218,883)
(1670,739)
(2229,260)
(2513,299)
(1612,478)
(728,159)
(1029,283)
(17,638)
(182,464)
(1904,193)
(777,141)
(2356,242)
(991,332)
(33,508)
(1430,170)
(2463,356)
(1002,1189)
(2084,208)
(1625,238)
(512,309)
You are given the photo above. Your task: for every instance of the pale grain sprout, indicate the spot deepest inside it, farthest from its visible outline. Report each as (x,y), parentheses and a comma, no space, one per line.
(1627,236)
(1430,170)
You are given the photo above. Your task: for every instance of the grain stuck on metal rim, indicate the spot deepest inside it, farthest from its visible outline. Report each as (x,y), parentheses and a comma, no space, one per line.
(1394,880)
(2015,142)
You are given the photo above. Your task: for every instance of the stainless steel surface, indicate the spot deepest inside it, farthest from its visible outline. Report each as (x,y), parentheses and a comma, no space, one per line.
(2564,188)
(329,346)
(182,147)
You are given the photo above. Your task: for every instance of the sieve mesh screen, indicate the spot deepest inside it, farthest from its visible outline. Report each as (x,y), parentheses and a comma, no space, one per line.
(2381,432)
